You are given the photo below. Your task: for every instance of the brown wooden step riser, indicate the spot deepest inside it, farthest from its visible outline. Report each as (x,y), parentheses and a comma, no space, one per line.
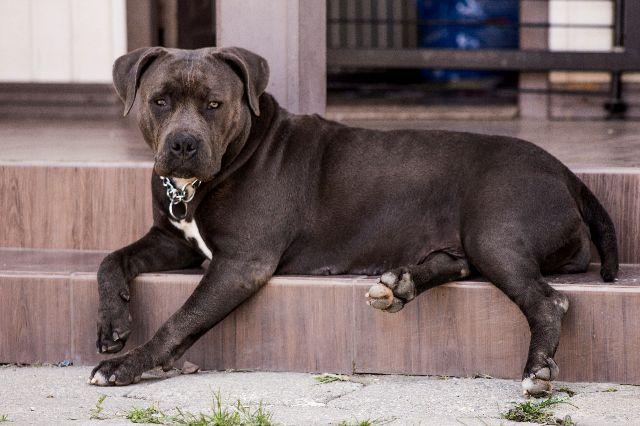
(105,208)
(85,208)
(619,193)
(316,325)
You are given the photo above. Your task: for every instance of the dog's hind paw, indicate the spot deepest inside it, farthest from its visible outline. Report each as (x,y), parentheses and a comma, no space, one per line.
(539,383)
(392,292)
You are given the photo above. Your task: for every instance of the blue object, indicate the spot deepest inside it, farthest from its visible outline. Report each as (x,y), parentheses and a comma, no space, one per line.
(467,24)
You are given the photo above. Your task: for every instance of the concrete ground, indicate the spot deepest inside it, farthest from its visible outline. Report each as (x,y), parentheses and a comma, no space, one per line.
(55,395)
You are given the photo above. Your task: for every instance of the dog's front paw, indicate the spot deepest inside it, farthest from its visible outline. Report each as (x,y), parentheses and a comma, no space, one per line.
(114,327)
(119,371)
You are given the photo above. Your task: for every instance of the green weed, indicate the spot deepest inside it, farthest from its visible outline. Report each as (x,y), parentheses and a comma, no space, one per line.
(238,415)
(329,378)
(566,390)
(537,411)
(357,423)
(96,413)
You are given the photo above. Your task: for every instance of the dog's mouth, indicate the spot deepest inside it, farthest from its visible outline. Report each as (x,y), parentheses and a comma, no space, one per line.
(183,171)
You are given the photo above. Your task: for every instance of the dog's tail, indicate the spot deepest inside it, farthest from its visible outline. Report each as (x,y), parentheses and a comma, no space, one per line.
(603,232)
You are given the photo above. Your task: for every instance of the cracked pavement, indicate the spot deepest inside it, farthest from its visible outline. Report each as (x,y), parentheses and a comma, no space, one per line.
(55,395)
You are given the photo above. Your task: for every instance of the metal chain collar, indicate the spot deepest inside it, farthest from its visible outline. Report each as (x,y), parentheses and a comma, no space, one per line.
(179,195)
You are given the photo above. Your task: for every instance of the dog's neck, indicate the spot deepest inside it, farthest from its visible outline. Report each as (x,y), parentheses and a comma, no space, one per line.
(247,144)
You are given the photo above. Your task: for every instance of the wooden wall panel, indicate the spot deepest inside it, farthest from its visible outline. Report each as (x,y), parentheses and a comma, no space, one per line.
(619,193)
(91,208)
(86,207)
(292,324)
(323,324)
(462,329)
(34,318)
(600,340)
(458,330)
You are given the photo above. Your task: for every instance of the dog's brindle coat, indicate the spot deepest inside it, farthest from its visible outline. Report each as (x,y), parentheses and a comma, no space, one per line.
(297,194)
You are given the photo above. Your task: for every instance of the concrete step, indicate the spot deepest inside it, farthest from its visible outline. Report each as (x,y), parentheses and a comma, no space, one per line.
(319,324)
(73,185)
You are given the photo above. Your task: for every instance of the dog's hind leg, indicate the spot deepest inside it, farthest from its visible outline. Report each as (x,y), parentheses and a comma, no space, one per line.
(518,275)
(401,285)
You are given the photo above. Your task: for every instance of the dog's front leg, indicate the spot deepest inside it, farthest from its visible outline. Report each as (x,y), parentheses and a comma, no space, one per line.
(226,284)
(156,251)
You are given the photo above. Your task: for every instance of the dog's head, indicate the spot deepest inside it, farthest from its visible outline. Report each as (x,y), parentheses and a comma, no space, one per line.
(193,104)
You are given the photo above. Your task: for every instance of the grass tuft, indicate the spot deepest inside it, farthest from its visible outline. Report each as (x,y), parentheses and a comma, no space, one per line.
(96,413)
(356,423)
(537,411)
(329,378)
(147,415)
(4,418)
(568,391)
(611,389)
(238,415)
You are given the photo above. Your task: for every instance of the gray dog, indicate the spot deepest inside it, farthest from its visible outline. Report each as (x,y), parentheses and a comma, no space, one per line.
(260,191)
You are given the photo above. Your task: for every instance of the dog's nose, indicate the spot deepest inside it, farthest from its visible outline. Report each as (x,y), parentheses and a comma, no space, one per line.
(183,145)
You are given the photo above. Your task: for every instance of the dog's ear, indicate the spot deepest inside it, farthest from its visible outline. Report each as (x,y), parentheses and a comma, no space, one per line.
(253,70)
(128,69)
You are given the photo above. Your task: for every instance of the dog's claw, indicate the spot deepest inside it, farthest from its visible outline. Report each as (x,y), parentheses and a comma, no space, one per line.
(113,331)
(115,348)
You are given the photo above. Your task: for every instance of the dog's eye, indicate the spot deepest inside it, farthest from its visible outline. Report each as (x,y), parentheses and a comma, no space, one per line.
(160,102)
(213,105)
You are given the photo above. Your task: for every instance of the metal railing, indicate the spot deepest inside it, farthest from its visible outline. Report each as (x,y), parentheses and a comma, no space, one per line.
(624,56)
(376,35)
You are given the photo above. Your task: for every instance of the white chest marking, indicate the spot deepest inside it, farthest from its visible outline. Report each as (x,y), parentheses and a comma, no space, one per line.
(190,230)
